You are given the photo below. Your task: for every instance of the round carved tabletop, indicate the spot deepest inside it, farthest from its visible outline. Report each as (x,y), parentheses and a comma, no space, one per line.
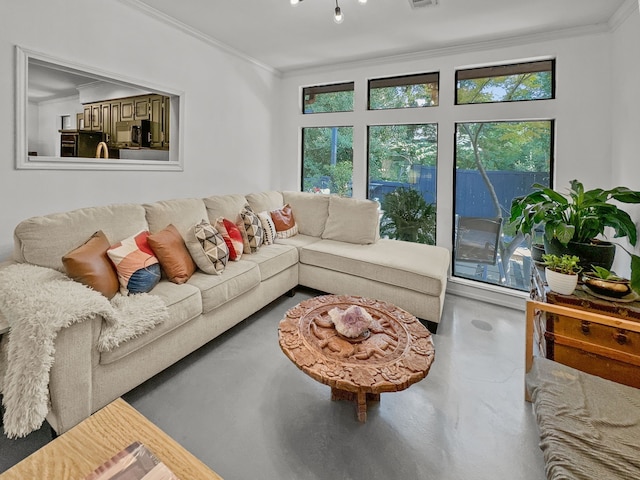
(397,352)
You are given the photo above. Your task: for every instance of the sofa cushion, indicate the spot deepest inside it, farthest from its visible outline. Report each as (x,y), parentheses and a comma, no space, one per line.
(273,259)
(353,221)
(226,206)
(183,302)
(172,253)
(207,248)
(44,240)
(268,228)
(89,264)
(265,200)
(182,213)
(138,268)
(414,266)
(238,278)
(310,211)
(298,241)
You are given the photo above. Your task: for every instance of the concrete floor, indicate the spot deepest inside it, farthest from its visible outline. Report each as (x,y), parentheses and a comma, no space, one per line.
(244,409)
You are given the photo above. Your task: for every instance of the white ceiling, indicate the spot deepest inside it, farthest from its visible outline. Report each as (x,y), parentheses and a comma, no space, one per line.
(286,37)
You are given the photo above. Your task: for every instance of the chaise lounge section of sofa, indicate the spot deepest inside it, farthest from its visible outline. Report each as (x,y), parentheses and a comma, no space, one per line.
(337,250)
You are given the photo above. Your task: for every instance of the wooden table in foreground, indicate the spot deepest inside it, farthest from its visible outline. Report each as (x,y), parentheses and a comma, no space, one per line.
(397,353)
(78,452)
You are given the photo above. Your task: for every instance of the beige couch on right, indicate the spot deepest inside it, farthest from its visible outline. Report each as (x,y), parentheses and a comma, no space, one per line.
(341,252)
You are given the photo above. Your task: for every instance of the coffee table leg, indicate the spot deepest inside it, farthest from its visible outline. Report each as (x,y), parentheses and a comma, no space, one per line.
(359,398)
(362,407)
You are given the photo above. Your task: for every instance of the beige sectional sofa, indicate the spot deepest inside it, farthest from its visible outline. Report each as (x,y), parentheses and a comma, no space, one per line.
(337,250)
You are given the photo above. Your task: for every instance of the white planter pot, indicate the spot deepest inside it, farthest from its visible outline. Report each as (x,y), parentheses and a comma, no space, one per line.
(560,282)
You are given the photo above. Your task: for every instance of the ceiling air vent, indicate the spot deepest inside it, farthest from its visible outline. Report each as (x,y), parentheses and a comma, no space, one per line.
(422,3)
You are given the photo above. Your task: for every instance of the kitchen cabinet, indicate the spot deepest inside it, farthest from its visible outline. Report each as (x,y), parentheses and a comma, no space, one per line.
(103,116)
(96,118)
(115,117)
(141,108)
(126,109)
(105,120)
(92,117)
(166,123)
(156,107)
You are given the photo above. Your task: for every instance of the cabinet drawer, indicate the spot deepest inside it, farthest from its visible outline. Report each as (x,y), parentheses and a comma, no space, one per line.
(597,334)
(589,362)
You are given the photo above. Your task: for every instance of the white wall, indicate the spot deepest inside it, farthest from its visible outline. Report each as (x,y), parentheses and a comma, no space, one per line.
(229,104)
(582,110)
(49,122)
(625,124)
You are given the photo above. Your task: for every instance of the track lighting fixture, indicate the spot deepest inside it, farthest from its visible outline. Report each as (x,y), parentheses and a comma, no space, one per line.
(338,17)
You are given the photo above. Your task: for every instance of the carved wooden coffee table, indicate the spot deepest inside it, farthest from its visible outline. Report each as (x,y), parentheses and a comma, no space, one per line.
(397,352)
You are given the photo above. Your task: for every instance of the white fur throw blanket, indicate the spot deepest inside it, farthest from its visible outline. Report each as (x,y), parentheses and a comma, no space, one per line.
(37,302)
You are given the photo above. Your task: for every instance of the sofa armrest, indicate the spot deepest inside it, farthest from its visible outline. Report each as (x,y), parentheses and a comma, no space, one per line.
(71,382)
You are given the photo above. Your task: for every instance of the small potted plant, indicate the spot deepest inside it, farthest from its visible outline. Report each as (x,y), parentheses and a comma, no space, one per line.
(604,282)
(561,272)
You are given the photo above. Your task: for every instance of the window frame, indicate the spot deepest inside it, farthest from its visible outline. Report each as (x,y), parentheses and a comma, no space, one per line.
(503,70)
(397,81)
(454,189)
(328,88)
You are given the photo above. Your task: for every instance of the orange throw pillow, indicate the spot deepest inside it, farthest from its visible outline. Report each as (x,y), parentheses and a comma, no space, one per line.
(285,223)
(89,264)
(172,253)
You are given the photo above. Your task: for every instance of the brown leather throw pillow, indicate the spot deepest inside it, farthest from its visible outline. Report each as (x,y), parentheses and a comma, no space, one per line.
(283,218)
(89,264)
(173,255)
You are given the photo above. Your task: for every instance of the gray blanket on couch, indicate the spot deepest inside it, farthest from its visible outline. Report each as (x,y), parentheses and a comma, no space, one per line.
(589,427)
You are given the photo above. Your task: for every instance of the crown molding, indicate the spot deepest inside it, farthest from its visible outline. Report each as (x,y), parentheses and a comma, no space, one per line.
(459,48)
(164,18)
(622,14)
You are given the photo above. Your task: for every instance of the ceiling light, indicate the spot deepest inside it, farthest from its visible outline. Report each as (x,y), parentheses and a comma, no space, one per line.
(338,17)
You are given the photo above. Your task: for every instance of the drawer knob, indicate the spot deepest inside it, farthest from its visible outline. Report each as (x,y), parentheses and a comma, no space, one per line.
(585,327)
(620,337)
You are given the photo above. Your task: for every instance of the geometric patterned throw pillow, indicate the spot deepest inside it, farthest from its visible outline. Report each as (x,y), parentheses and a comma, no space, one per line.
(268,226)
(253,228)
(138,268)
(207,248)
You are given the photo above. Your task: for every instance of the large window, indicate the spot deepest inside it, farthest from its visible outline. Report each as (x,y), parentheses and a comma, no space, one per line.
(408,91)
(328,98)
(498,153)
(402,177)
(327,160)
(506,83)
(494,163)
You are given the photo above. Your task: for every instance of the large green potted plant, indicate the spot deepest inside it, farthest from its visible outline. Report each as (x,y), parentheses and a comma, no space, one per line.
(572,221)
(408,216)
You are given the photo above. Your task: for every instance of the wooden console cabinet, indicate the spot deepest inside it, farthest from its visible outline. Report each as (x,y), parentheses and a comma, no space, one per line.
(582,331)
